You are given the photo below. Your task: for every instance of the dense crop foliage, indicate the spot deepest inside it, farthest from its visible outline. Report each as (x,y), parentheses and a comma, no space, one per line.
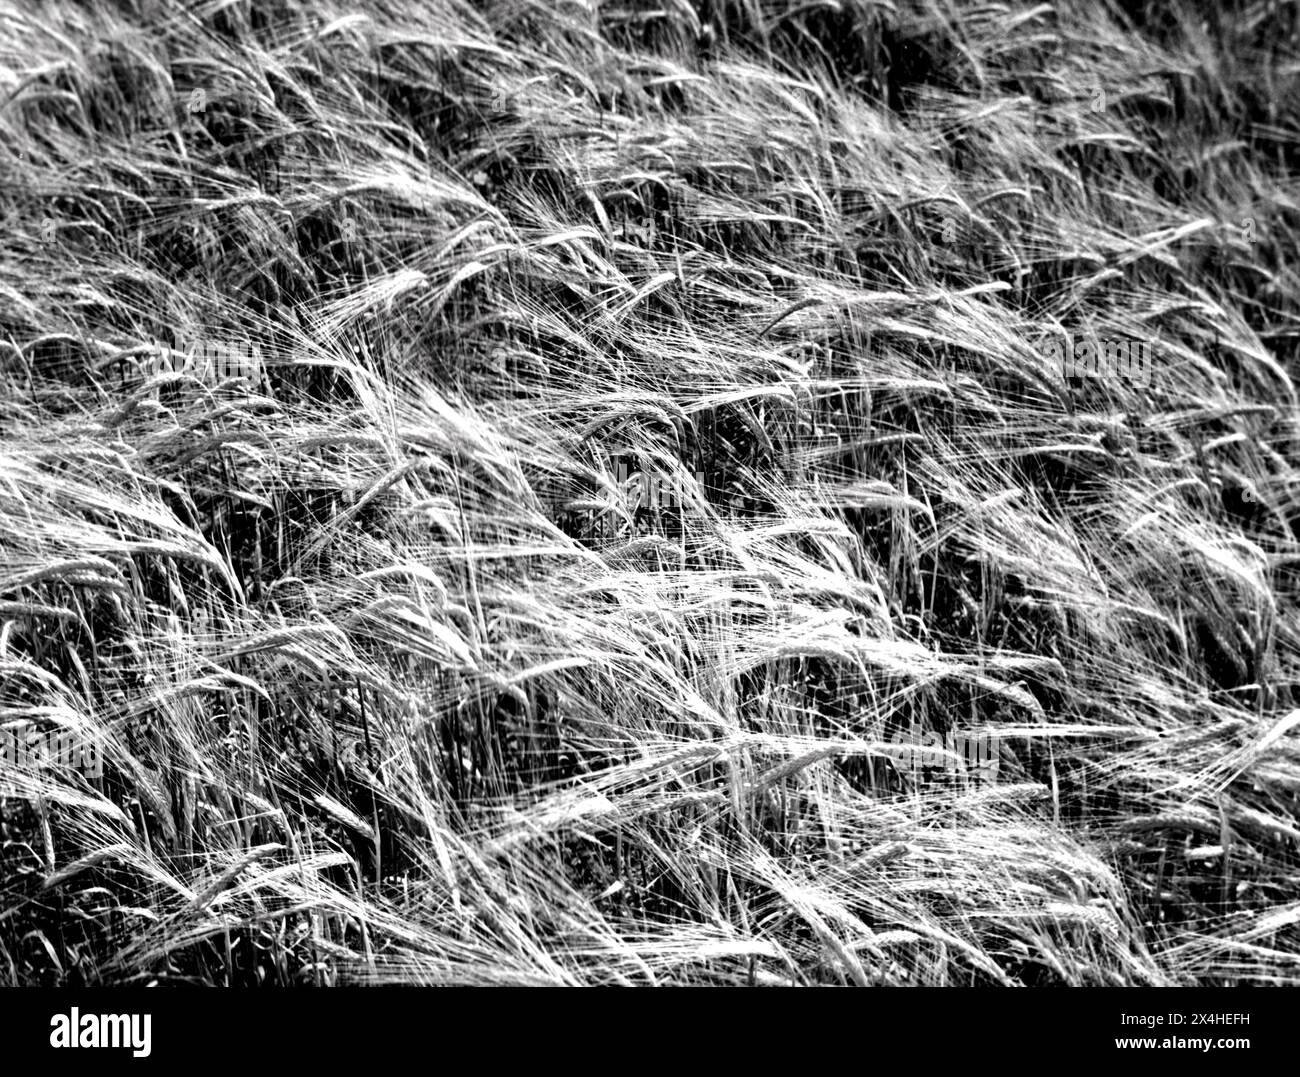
(637,441)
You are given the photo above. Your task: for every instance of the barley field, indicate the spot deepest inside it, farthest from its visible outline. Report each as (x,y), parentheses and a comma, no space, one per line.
(720,492)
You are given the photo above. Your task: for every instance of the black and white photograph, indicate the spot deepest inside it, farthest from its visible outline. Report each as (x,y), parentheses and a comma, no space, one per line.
(649,493)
